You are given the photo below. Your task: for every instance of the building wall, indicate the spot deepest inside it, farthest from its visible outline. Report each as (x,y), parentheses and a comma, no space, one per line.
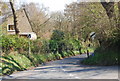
(8,22)
(3,28)
(22,23)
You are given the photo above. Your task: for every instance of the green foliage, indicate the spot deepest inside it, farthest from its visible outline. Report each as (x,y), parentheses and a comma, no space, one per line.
(21,42)
(57,35)
(41,51)
(45,47)
(19,62)
(61,44)
(36,46)
(100,57)
(108,53)
(53,45)
(22,60)
(75,43)
(13,63)
(56,44)
(9,43)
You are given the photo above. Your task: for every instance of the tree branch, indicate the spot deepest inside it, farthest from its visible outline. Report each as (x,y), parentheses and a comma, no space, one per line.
(109,7)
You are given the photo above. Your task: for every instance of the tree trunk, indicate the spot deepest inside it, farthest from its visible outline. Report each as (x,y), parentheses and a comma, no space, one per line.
(119,15)
(109,7)
(15,18)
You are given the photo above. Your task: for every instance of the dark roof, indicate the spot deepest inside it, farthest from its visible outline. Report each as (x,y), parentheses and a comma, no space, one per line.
(7,15)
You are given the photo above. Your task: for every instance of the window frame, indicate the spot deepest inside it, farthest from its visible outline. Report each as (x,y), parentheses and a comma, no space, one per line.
(8,28)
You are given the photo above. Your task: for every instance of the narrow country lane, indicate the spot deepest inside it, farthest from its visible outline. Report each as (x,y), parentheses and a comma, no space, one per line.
(68,68)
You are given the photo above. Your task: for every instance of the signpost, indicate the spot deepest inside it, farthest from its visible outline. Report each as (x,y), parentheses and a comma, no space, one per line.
(29,36)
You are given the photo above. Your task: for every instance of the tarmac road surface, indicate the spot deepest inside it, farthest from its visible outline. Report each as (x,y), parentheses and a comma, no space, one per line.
(68,68)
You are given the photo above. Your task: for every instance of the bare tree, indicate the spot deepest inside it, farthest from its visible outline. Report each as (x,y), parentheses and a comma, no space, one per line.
(57,19)
(110,11)
(38,18)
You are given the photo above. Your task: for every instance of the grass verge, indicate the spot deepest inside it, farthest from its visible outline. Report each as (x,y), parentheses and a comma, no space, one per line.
(103,59)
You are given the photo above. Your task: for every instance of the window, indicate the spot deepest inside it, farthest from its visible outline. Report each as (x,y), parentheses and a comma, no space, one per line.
(11,28)
(29,36)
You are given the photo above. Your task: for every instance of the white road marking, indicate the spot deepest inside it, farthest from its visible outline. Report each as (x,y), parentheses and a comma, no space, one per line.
(71,75)
(76,77)
(62,68)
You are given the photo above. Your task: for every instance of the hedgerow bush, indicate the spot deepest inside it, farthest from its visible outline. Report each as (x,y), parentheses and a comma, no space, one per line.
(13,43)
(105,58)
(31,53)
(36,46)
(107,53)
(60,44)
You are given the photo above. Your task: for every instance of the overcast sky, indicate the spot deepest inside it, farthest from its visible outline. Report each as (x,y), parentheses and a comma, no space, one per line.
(54,5)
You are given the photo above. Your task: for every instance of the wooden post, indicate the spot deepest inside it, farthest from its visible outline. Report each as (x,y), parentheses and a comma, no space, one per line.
(29,48)
(88,55)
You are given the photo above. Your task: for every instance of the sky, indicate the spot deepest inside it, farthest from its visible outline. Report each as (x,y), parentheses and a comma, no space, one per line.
(54,5)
